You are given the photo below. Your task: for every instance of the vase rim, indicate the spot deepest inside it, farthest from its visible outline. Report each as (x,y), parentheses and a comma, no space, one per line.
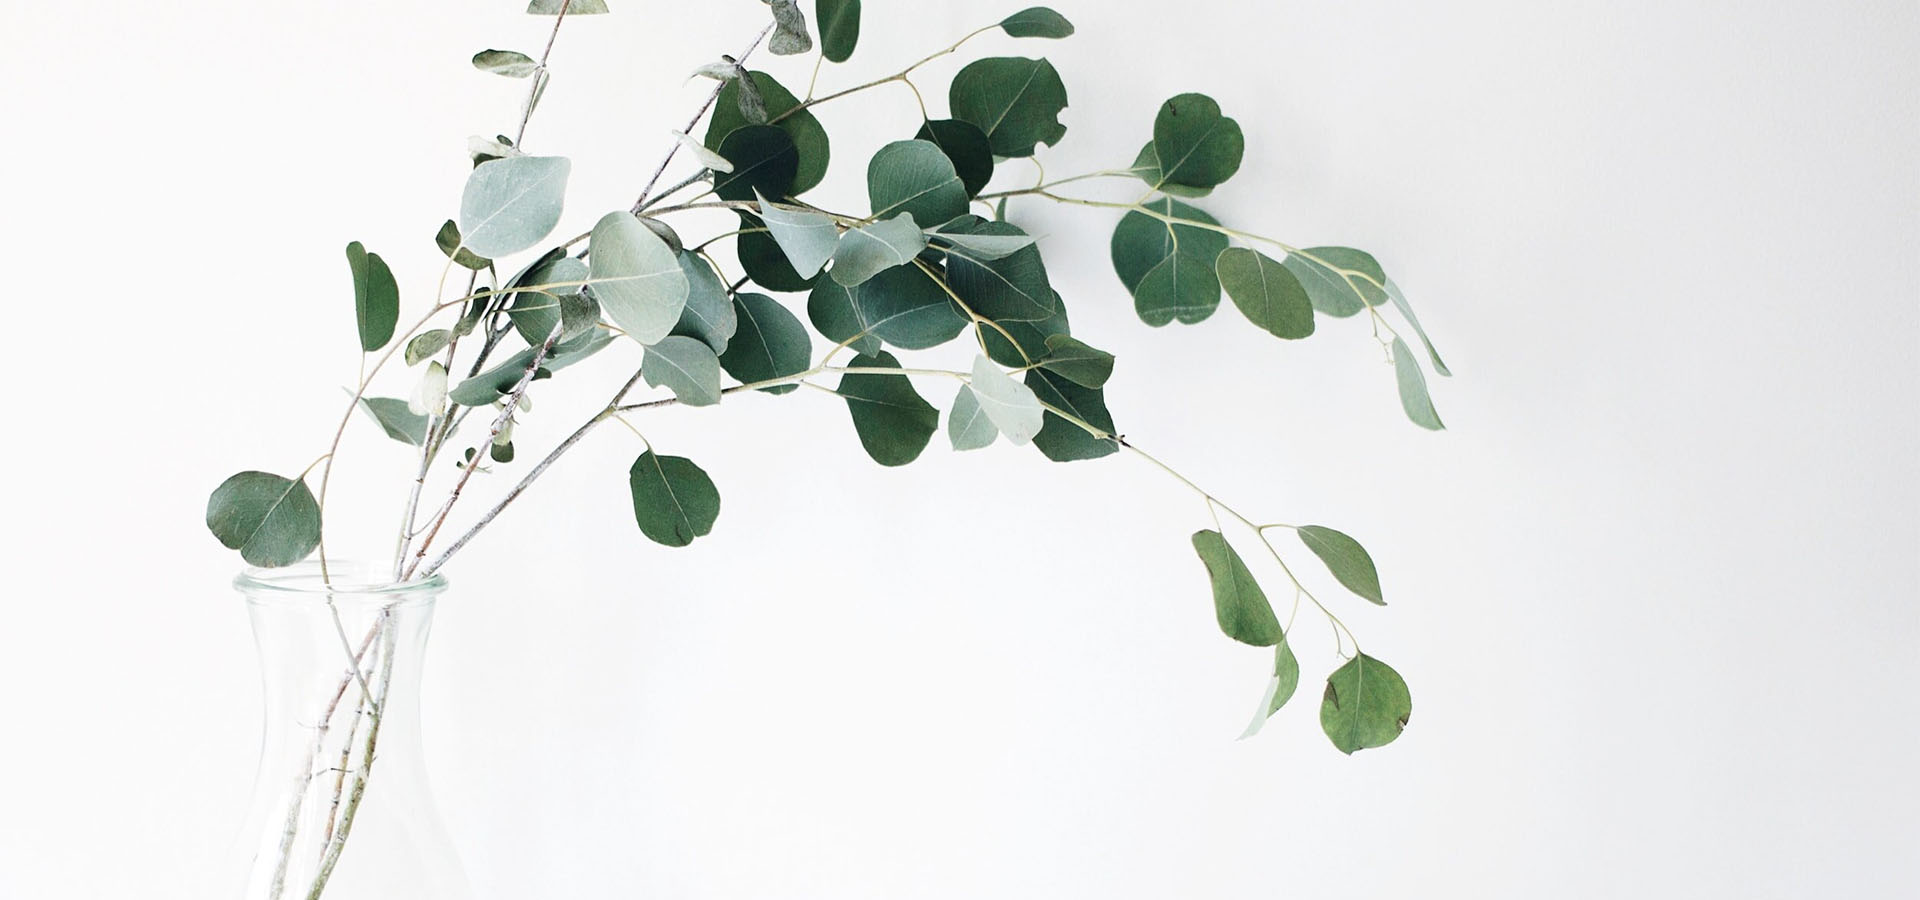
(359,578)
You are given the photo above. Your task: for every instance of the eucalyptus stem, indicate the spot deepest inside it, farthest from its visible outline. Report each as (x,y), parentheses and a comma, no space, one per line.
(694,122)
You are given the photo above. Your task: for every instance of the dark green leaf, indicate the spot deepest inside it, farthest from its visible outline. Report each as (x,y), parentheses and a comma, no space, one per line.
(709,313)
(970,236)
(915,177)
(1029,338)
(764,162)
(1336,279)
(1239,604)
(501,452)
(511,204)
(869,250)
(686,366)
(1181,288)
(1194,144)
(1064,441)
(394,418)
(1012,288)
(636,277)
(764,261)
(1413,388)
(770,343)
(490,385)
(1267,292)
(966,146)
(376,297)
(839,24)
(1015,101)
(1346,559)
(1039,22)
(673,500)
(902,306)
(1076,361)
(426,344)
(448,240)
(809,138)
(272,521)
(1141,241)
(1146,167)
(1367,704)
(511,63)
(575,8)
(893,421)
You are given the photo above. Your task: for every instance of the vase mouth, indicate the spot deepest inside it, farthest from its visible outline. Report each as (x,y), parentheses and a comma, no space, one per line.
(358,578)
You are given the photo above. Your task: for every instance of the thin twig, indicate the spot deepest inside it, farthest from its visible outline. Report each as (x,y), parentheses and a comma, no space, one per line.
(694,122)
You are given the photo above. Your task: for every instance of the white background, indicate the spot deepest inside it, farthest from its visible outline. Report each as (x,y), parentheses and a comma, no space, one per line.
(1655,590)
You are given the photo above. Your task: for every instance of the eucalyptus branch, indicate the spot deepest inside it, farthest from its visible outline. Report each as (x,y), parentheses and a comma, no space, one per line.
(694,122)
(539,78)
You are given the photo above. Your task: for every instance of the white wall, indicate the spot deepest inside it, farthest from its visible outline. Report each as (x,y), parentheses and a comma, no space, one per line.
(1655,590)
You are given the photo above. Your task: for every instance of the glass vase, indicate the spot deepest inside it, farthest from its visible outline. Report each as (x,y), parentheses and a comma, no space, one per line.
(341,809)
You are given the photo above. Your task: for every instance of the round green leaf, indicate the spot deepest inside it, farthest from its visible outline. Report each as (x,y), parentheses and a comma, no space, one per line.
(966,146)
(1015,101)
(1064,441)
(1141,241)
(636,277)
(1181,288)
(510,204)
(1367,704)
(272,521)
(915,177)
(893,421)
(1239,604)
(809,137)
(686,366)
(673,500)
(376,297)
(839,24)
(1346,559)
(1039,22)
(764,162)
(1195,145)
(1011,288)
(1266,292)
(902,306)
(770,343)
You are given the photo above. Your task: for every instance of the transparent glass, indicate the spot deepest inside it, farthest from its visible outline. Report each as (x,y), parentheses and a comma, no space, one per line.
(341,807)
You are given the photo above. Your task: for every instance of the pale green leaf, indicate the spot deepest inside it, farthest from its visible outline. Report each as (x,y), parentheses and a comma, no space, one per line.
(1346,559)
(1012,406)
(394,418)
(1336,279)
(790,35)
(1406,311)
(983,245)
(702,155)
(1280,687)
(575,8)
(511,204)
(709,314)
(686,366)
(808,238)
(1366,704)
(636,277)
(1413,388)
(868,250)
(968,426)
(510,63)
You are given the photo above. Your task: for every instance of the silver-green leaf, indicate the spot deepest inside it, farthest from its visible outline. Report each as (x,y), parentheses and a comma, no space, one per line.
(636,277)
(1406,311)
(394,418)
(511,204)
(1280,687)
(510,63)
(1012,406)
(807,238)
(686,366)
(968,426)
(1346,559)
(871,249)
(1413,388)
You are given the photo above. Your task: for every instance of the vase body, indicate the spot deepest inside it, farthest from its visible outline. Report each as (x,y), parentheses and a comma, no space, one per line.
(341,808)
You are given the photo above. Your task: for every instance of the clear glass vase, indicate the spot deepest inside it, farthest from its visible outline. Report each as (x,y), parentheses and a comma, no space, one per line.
(341,809)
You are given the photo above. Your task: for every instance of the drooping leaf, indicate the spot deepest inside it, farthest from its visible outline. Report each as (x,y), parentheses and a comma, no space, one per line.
(1064,441)
(893,421)
(764,162)
(534,312)
(1413,388)
(809,137)
(789,29)
(1015,101)
(575,8)
(1286,675)
(1267,293)
(1336,279)
(808,238)
(869,250)
(448,240)
(1238,603)
(1406,311)
(705,157)
(673,500)
(1366,704)
(968,426)
(763,260)
(1194,144)
(915,177)
(1346,559)
(636,277)
(495,382)
(1039,22)
(966,146)
(1012,406)
(709,314)
(510,63)
(902,306)
(686,366)
(770,343)
(839,24)
(1079,363)
(1141,242)
(394,418)
(513,203)
(426,344)
(1146,167)
(1012,288)
(376,297)
(272,521)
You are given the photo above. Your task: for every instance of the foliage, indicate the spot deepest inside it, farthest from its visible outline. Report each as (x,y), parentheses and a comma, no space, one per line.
(937,256)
